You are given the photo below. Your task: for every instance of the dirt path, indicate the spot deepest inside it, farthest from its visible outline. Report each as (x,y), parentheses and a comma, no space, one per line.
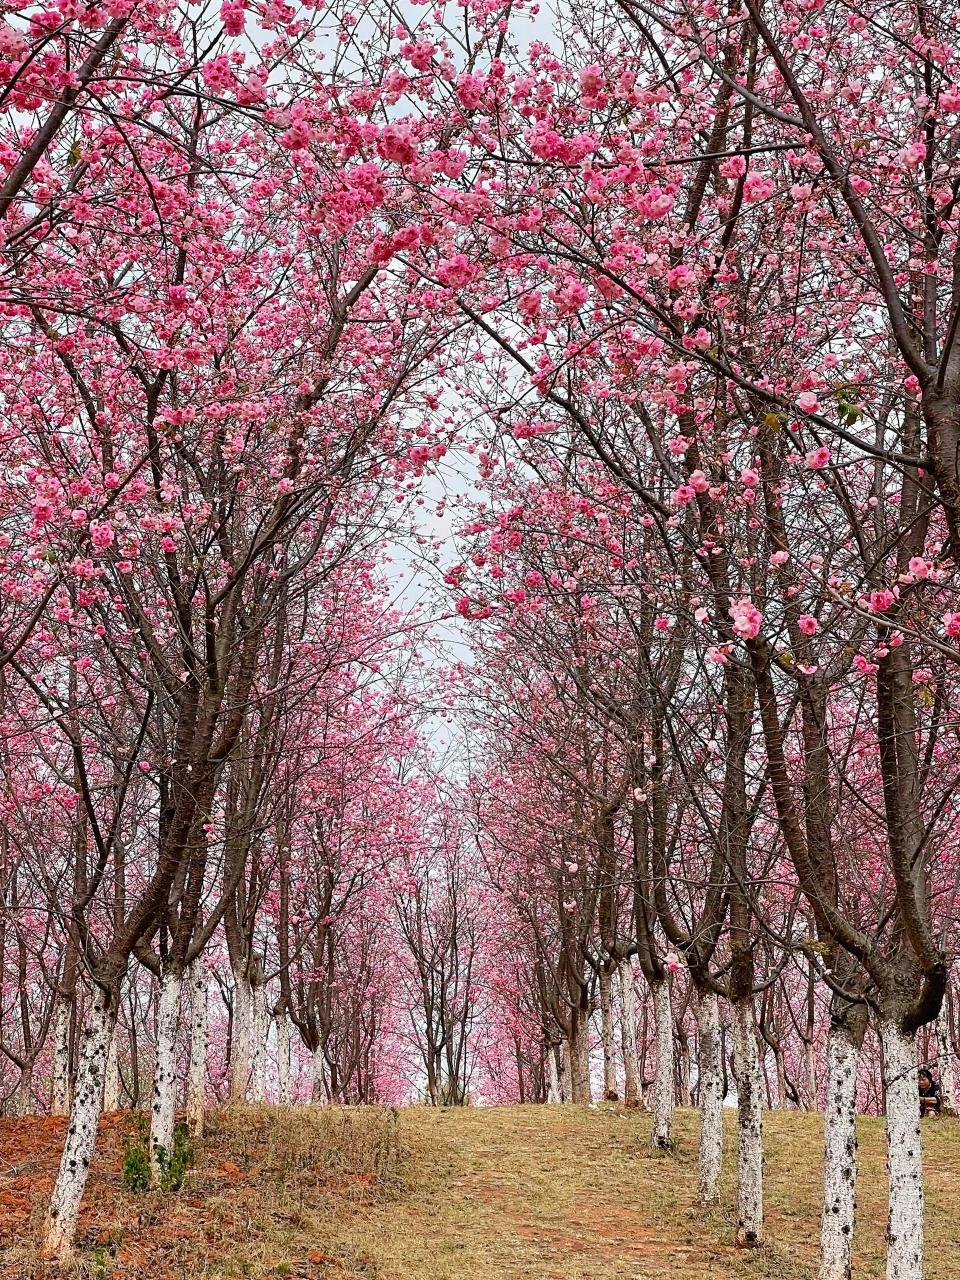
(512,1193)
(526,1193)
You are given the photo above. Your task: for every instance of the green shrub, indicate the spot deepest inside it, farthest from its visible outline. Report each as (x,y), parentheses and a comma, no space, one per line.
(173,1164)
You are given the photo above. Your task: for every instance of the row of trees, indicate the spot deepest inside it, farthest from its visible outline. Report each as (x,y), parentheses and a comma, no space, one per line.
(687,297)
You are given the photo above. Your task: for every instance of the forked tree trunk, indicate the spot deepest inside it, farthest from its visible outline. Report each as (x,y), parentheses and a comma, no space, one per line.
(283,1058)
(710,1085)
(904,1162)
(196,1089)
(60,1095)
(840,1158)
(945,1064)
(259,1028)
(749,1126)
(628,1034)
(111,1087)
(661,1135)
(61,1220)
(240,1050)
(606,1035)
(164,1106)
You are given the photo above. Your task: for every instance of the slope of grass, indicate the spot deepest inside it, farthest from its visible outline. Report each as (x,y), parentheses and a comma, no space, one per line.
(513,1193)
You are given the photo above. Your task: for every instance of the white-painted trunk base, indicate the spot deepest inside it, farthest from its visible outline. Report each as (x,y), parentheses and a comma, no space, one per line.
(240,1047)
(904,1159)
(840,1159)
(945,1062)
(661,1135)
(61,1220)
(196,1089)
(606,1037)
(164,1107)
(628,1034)
(749,1127)
(111,1088)
(283,1059)
(60,1094)
(710,1084)
(259,1030)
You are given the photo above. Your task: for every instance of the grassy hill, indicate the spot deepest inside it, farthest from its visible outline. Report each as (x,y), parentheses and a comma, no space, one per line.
(531,1193)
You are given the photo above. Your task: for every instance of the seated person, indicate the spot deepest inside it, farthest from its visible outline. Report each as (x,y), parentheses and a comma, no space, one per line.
(930,1101)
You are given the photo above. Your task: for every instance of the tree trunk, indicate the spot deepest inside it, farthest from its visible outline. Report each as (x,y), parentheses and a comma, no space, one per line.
(749,1126)
(163,1110)
(840,1158)
(198,1048)
(111,1087)
(259,1030)
(283,1058)
(661,1136)
(24,1101)
(61,1220)
(317,1095)
(628,1035)
(60,1096)
(553,1075)
(904,1163)
(810,1072)
(606,1034)
(240,1048)
(578,1047)
(710,1087)
(945,1065)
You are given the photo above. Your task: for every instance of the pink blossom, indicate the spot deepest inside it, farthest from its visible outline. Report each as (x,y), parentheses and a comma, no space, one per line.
(746,617)
(101,534)
(807,402)
(880,601)
(817,459)
(951,625)
(808,624)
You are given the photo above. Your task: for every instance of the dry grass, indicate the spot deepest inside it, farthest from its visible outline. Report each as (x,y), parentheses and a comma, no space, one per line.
(514,1193)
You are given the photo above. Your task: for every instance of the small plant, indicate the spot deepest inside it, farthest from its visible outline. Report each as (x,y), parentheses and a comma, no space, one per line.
(173,1164)
(136,1158)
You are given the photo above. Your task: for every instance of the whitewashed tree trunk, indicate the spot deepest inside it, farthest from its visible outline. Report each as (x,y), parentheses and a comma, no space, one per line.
(61,1220)
(196,1089)
(840,1158)
(111,1086)
(24,1102)
(259,1031)
(710,1084)
(628,1034)
(904,1162)
(60,1096)
(661,1135)
(283,1058)
(240,1050)
(945,1063)
(606,1037)
(164,1107)
(563,1070)
(318,1093)
(554,1094)
(749,1126)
